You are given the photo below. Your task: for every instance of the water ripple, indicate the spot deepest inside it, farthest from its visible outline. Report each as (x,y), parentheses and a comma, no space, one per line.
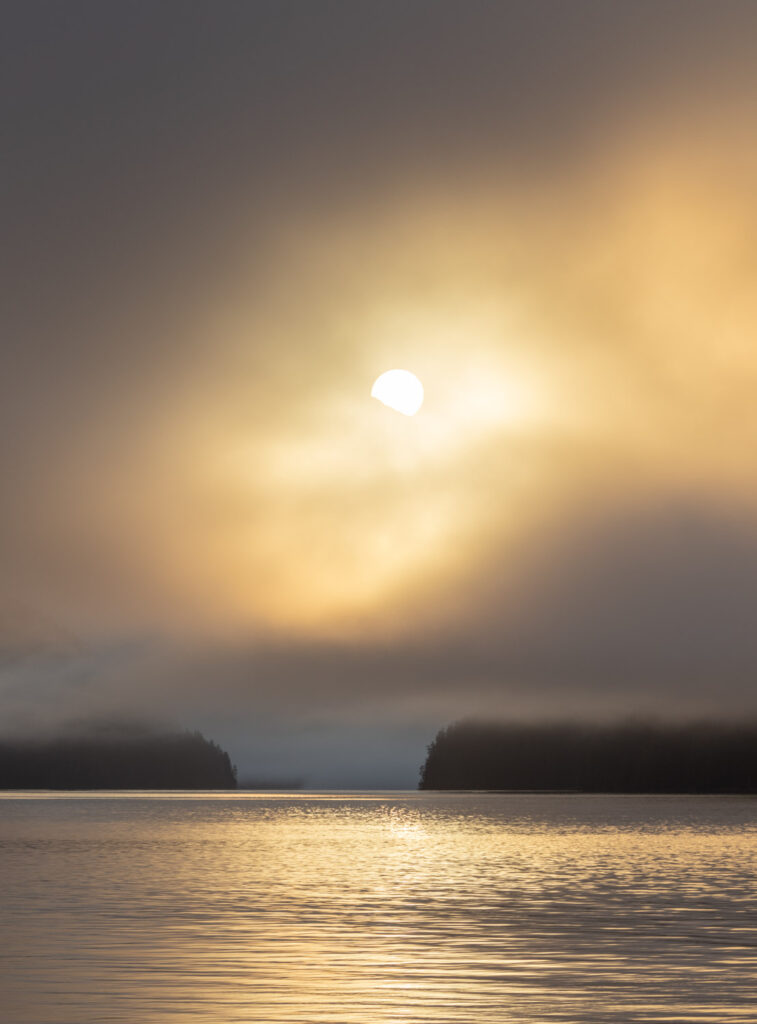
(377,909)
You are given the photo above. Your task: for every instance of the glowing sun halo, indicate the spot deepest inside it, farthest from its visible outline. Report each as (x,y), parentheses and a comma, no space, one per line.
(399,390)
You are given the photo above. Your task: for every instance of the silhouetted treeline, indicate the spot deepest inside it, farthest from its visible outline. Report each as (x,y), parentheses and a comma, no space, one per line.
(621,758)
(168,761)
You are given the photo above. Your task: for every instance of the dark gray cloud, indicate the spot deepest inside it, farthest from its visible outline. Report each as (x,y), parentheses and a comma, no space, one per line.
(643,611)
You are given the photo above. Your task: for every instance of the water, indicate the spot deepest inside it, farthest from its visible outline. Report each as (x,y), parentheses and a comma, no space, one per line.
(377,908)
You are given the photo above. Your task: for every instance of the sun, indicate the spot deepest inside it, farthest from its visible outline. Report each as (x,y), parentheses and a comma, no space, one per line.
(399,390)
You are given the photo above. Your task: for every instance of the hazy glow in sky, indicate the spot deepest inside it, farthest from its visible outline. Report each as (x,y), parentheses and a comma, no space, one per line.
(224,226)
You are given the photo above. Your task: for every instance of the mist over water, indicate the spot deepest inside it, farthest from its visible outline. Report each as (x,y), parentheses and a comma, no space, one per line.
(377,908)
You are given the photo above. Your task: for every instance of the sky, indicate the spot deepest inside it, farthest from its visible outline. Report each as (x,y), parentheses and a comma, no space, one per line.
(221,222)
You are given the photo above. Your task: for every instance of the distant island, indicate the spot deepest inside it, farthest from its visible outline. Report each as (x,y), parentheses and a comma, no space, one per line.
(620,758)
(274,783)
(117,760)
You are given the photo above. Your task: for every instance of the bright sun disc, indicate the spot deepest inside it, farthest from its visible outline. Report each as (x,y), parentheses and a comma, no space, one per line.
(399,390)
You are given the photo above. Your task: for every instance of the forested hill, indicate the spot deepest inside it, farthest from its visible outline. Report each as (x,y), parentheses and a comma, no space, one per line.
(166,761)
(623,758)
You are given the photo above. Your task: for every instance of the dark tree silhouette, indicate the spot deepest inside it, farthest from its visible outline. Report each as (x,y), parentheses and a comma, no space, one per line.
(166,761)
(622,758)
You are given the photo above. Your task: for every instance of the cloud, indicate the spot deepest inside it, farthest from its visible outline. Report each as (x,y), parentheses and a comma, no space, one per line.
(223,227)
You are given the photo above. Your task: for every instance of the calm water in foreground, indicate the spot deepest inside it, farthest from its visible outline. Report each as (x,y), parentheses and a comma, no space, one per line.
(377,908)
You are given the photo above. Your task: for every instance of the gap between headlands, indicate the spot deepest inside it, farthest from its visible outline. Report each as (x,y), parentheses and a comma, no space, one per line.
(627,757)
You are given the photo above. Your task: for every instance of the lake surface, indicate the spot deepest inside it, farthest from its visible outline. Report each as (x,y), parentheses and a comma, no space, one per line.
(377,908)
